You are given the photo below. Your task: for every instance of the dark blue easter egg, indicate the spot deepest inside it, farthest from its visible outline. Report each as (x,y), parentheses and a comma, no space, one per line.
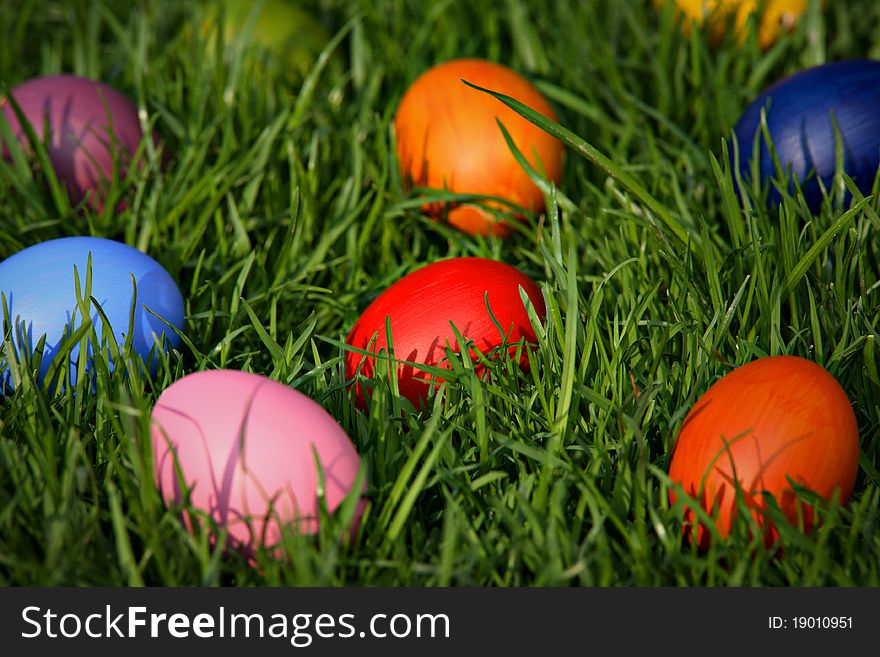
(799,119)
(39,288)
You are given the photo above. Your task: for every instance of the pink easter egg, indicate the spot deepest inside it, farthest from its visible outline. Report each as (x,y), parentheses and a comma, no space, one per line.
(246,446)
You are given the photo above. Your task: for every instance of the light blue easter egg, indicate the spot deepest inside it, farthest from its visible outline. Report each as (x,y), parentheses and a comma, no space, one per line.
(38,286)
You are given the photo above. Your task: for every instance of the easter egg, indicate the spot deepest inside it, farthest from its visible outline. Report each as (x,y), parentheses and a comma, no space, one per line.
(89,123)
(423,306)
(246,448)
(799,112)
(773,420)
(708,12)
(774,16)
(448,139)
(280,27)
(39,288)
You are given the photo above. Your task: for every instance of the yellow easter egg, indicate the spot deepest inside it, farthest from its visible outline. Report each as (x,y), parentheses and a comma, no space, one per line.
(778,16)
(775,17)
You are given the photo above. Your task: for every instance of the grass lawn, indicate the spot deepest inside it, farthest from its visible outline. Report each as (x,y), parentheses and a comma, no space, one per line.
(282,214)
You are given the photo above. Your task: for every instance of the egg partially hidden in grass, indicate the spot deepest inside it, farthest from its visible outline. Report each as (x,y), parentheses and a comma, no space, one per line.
(87,125)
(281,28)
(139,300)
(248,451)
(769,423)
(448,139)
(802,111)
(422,309)
(774,16)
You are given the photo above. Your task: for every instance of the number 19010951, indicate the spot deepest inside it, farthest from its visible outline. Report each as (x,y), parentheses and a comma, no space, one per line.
(810,623)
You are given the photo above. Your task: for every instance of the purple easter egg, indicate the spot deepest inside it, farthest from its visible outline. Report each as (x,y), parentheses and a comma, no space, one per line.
(88,121)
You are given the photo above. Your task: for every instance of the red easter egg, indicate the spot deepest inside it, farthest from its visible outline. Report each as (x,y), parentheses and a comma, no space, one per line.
(774,419)
(423,305)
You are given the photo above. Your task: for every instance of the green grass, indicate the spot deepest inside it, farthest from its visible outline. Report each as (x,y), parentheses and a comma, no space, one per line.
(282,214)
